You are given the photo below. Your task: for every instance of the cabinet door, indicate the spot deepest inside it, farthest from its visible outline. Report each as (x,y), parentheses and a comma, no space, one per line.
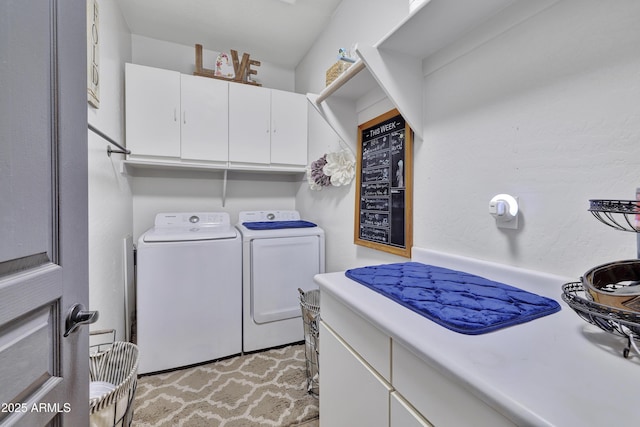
(152,106)
(403,415)
(288,128)
(249,124)
(369,342)
(205,119)
(437,396)
(351,393)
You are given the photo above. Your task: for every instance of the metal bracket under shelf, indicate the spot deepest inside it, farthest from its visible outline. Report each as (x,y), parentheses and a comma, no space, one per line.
(224,188)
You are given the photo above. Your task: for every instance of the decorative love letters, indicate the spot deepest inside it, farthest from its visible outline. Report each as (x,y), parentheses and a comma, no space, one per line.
(242,68)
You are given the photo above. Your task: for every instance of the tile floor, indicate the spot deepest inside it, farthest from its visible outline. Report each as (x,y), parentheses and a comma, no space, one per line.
(310,423)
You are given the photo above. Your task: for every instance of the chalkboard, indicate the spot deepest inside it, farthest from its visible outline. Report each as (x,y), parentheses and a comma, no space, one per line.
(384,185)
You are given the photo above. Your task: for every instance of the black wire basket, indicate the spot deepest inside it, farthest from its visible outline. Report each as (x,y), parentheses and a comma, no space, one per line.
(310,306)
(623,215)
(620,322)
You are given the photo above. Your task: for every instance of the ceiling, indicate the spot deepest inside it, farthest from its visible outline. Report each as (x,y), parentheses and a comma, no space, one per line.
(280,32)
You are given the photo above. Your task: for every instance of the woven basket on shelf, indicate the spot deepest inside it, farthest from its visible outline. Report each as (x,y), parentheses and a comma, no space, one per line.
(615,284)
(335,70)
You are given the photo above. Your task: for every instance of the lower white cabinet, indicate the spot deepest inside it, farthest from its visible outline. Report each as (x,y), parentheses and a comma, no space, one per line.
(444,401)
(404,415)
(370,343)
(351,392)
(367,378)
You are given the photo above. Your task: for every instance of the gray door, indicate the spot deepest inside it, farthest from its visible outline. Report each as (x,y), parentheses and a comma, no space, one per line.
(43,212)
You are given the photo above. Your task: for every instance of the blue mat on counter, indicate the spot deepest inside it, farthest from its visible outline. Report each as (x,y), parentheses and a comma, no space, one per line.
(276,225)
(459,301)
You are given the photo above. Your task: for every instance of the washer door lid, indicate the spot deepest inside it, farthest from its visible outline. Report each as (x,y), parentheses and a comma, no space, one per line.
(186,234)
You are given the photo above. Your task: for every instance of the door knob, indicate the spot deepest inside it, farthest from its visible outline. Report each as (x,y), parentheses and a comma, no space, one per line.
(77,316)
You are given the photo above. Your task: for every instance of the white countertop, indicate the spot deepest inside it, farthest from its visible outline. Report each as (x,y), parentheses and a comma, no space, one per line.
(557,370)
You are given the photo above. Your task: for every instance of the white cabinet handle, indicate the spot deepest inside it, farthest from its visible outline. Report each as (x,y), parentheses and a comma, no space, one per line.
(175,115)
(184,117)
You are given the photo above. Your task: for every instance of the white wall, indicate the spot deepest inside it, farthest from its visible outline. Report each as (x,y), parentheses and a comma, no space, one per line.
(177,57)
(202,191)
(359,22)
(110,204)
(547,111)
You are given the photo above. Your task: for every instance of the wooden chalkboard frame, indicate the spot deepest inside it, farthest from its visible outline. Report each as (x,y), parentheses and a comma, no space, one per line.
(384,204)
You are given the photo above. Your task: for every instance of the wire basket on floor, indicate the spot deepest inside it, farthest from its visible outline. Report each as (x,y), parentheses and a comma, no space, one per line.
(113,373)
(310,306)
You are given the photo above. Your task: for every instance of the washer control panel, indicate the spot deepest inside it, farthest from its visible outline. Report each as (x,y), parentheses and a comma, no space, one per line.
(189,219)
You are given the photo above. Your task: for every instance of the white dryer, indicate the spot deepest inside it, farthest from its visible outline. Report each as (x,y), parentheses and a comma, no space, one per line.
(280,253)
(189,290)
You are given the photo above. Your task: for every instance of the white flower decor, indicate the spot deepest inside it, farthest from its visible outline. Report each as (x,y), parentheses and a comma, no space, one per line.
(340,167)
(331,169)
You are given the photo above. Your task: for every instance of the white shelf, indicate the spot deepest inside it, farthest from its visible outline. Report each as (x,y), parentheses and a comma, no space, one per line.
(360,82)
(268,169)
(459,25)
(337,102)
(438,23)
(135,168)
(414,48)
(132,167)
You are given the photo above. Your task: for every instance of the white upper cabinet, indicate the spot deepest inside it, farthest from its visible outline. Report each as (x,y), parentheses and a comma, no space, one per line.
(173,115)
(180,120)
(288,128)
(152,106)
(204,119)
(267,126)
(249,124)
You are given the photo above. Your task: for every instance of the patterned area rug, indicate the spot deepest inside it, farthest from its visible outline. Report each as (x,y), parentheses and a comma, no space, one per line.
(258,389)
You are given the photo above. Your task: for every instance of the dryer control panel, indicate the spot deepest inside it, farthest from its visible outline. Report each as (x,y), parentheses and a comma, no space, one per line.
(261,216)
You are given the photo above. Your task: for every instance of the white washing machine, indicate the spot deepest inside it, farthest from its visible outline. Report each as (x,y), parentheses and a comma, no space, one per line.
(280,253)
(189,290)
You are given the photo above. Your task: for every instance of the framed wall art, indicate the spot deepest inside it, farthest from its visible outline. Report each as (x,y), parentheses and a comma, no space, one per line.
(93,54)
(384,185)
